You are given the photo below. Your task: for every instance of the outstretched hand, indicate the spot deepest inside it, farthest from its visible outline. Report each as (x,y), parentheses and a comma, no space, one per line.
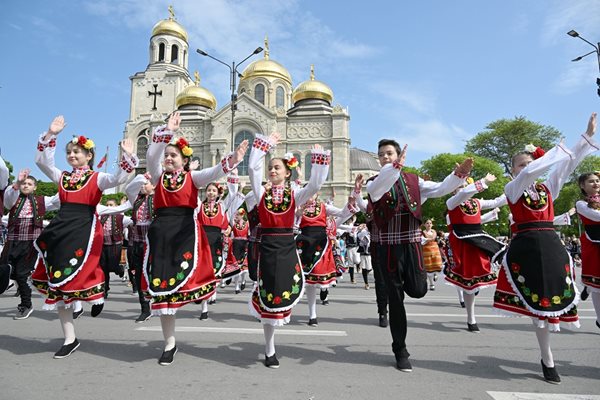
(194,165)
(127,146)
(239,153)
(174,121)
(57,125)
(465,167)
(274,138)
(358,183)
(402,157)
(489,178)
(591,127)
(23,174)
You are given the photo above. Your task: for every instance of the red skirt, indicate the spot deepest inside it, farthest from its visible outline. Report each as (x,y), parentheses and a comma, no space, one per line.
(590,263)
(470,267)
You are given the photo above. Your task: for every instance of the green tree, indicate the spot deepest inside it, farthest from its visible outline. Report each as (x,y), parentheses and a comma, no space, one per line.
(506,137)
(11,177)
(46,188)
(588,164)
(439,166)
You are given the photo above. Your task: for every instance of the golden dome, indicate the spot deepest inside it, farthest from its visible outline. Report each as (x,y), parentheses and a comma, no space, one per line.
(170,27)
(196,95)
(312,89)
(267,68)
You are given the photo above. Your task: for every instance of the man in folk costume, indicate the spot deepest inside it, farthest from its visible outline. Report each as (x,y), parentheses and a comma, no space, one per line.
(25,223)
(395,199)
(140,193)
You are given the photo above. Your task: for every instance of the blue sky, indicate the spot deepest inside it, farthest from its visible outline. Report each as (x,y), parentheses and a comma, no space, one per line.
(430,73)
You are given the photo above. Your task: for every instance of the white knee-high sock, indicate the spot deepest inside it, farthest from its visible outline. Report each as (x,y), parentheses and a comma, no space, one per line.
(77,306)
(596,301)
(461,297)
(470,307)
(543,337)
(204,306)
(269,331)
(311,298)
(167,322)
(430,278)
(65,315)
(237,280)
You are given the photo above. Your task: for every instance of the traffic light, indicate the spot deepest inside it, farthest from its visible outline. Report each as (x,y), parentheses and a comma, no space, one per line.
(598,83)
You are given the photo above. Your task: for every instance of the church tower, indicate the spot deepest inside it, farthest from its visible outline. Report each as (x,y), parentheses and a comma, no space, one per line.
(154,91)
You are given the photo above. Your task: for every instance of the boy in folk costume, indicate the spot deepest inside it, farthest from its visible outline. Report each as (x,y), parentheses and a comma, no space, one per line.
(395,200)
(140,193)
(536,278)
(25,223)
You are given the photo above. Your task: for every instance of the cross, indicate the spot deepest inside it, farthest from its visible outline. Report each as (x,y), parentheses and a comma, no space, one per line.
(155,93)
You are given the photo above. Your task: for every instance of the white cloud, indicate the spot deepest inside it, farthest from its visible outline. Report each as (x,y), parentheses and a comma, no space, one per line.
(432,136)
(581,15)
(578,75)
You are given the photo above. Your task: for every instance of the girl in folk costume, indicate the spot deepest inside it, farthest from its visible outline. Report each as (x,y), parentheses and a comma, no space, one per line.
(69,247)
(470,268)
(315,245)
(537,278)
(237,257)
(431,253)
(589,213)
(178,265)
(280,279)
(140,192)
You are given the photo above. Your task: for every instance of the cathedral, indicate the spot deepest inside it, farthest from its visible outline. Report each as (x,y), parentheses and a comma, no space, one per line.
(266,102)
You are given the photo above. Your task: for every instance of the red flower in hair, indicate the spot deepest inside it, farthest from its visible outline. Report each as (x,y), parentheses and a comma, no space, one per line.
(81,140)
(538,153)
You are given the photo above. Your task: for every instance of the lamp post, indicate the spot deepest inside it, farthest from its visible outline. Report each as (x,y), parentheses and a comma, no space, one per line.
(596,50)
(233,74)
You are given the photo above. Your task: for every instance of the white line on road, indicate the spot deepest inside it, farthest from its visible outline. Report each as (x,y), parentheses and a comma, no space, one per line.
(253,331)
(463,315)
(540,396)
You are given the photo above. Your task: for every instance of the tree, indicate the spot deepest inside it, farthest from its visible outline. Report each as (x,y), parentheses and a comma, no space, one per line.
(506,137)
(11,177)
(46,188)
(439,166)
(588,164)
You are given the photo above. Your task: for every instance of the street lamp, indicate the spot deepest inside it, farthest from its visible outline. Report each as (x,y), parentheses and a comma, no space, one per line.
(596,50)
(233,74)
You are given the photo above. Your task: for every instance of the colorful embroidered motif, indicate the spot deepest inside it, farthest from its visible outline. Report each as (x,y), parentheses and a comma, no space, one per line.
(173,180)
(283,205)
(320,159)
(75,180)
(544,302)
(261,144)
(50,144)
(540,202)
(470,207)
(169,284)
(210,208)
(274,300)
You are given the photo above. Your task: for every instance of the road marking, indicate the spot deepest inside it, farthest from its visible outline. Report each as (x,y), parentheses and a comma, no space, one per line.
(478,315)
(540,396)
(252,331)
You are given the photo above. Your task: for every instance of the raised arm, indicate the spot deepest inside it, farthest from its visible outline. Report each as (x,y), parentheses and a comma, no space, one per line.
(528,175)
(588,212)
(430,189)
(490,216)
(320,161)
(44,158)
(4,174)
(227,164)
(128,163)
(261,145)
(133,188)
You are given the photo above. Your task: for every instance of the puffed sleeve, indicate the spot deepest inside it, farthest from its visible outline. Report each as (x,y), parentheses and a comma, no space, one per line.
(320,161)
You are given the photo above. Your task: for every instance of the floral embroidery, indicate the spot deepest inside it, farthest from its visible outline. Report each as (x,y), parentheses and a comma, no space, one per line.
(186,297)
(79,252)
(544,302)
(313,209)
(261,144)
(76,180)
(50,144)
(210,208)
(281,207)
(470,207)
(530,197)
(275,299)
(320,158)
(173,180)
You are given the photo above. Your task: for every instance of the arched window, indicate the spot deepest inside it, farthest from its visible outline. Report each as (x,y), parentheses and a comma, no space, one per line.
(174,54)
(279,97)
(239,138)
(161,52)
(142,147)
(259,93)
(295,171)
(307,166)
(184,58)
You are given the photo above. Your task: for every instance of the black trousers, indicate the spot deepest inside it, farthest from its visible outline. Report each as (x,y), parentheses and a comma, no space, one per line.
(380,287)
(393,260)
(136,264)
(109,260)
(22,256)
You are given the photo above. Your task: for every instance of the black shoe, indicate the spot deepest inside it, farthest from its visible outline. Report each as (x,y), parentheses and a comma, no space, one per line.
(550,374)
(97,309)
(325,302)
(403,364)
(462,304)
(323,294)
(23,312)
(211,302)
(203,316)
(167,356)
(228,281)
(473,328)
(432,287)
(383,321)
(67,349)
(598,324)
(313,322)
(243,286)
(77,314)
(106,294)
(143,317)
(584,294)
(271,361)
(237,291)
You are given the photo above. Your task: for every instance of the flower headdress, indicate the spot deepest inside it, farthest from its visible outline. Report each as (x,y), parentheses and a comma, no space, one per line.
(290,160)
(183,145)
(84,142)
(535,151)
(241,212)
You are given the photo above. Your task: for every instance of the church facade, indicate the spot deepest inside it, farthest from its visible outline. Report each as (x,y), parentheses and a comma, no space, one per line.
(266,102)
